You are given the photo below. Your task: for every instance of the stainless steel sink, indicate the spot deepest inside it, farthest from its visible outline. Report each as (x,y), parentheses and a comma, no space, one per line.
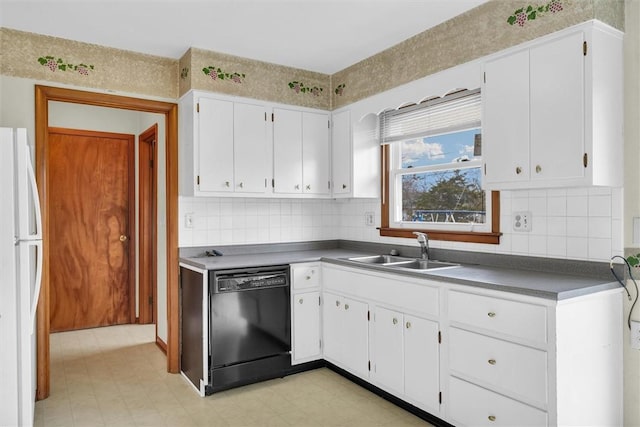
(382,259)
(423,265)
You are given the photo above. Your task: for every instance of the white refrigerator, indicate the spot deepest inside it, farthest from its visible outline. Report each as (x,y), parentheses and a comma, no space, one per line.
(20,278)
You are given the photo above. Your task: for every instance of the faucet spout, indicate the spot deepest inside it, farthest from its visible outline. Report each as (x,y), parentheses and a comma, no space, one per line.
(423,240)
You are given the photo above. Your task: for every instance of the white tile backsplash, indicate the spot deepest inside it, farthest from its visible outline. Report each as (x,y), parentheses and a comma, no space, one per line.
(582,224)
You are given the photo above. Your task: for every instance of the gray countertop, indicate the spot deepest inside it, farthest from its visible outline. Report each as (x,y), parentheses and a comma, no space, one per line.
(555,286)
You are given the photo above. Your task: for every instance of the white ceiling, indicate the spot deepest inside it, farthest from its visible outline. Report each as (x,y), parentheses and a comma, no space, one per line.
(318,35)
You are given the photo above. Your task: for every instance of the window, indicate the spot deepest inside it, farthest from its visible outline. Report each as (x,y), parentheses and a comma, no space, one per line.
(432,172)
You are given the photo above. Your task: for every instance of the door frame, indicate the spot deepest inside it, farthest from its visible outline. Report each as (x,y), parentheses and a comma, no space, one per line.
(147,225)
(44,94)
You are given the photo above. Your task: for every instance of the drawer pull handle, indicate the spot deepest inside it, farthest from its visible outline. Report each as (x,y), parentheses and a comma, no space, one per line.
(395,321)
(337,303)
(300,301)
(408,325)
(491,314)
(492,361)
(492,417)
(346,306)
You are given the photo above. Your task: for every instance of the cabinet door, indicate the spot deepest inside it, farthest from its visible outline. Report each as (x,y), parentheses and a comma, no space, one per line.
(315,153)
(332,327)
(306,325)
(505,121)
(388,363)
(341,152)
(422,362)
(287,151)
(355,332)
(215,145)
(557,109)
(250,148)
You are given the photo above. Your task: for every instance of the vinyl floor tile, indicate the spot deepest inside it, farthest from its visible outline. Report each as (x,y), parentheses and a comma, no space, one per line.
(116,376)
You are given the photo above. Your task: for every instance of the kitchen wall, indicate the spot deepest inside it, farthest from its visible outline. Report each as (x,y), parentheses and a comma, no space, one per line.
(469,36)
(581,224)
(17,110)
(53,59)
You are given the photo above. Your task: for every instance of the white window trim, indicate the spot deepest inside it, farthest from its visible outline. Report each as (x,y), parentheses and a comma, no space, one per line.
(395,193)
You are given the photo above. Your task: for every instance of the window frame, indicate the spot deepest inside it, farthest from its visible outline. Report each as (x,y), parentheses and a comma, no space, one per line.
(488,237)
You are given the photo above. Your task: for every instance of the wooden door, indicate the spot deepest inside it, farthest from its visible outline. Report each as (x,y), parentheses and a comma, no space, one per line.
(89,186)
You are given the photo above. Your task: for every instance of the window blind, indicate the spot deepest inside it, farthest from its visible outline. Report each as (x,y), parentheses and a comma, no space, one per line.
(451,113)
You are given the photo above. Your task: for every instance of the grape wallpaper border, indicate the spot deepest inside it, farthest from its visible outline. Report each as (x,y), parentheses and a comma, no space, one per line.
(54,64)
(217,74)
(530,13)
(299,87)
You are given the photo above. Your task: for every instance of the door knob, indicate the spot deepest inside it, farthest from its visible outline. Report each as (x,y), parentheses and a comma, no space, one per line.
(123,238)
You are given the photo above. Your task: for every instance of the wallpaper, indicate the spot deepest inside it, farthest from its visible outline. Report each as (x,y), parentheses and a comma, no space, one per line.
(39,57)
(488,28)
(233,75)
(491,27)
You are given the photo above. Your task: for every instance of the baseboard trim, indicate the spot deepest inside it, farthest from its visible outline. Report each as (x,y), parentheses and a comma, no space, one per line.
(162,345)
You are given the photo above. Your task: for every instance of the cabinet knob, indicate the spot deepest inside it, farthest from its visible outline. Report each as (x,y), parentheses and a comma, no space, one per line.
(344,186)
(227,183)
(297,186)
(308,187)
(492,361)
(518,170)
(308,278)
(408,325)
(491,418)
(538,168)
(241,185)
(395,321)
(491,314)
(346,306)
(337,303)
(300,301)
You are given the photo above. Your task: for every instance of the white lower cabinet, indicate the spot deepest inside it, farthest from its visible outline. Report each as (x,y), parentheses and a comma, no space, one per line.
(477,357)
(306,327)
(346,333)
(305,313)
(475,406)
(406,357)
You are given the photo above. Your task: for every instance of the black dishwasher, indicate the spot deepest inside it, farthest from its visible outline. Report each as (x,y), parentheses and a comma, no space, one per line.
(249,325)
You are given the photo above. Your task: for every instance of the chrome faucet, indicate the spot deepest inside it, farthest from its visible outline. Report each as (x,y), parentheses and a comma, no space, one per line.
(423,239)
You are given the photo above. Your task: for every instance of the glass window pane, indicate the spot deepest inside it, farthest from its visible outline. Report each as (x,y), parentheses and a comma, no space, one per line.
(453,196)
(439,149)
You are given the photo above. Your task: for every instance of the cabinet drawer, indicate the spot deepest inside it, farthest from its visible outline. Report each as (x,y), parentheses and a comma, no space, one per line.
(475,406)
(512,368)
(305,275)
(518,319)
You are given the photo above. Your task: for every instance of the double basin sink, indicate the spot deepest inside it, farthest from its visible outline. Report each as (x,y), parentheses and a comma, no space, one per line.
(398,262)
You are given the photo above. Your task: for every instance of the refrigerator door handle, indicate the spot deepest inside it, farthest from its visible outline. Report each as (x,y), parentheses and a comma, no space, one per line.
(38,284)
(36,201)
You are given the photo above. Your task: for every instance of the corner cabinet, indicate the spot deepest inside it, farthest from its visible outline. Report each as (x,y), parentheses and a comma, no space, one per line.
(300,152)
(223,147)
(553,111)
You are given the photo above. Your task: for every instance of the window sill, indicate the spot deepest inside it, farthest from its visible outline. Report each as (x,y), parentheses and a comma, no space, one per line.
(491,238)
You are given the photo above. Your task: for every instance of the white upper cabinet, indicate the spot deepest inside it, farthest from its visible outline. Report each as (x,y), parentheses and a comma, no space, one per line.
(223,146)
(341,153)
(287,151)
(552,111)
(300,152)
(250,148)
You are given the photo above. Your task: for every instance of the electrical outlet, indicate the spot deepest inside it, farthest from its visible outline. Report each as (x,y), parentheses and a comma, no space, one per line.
(188,220)
(634,335)
(369,219)
(522,221)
